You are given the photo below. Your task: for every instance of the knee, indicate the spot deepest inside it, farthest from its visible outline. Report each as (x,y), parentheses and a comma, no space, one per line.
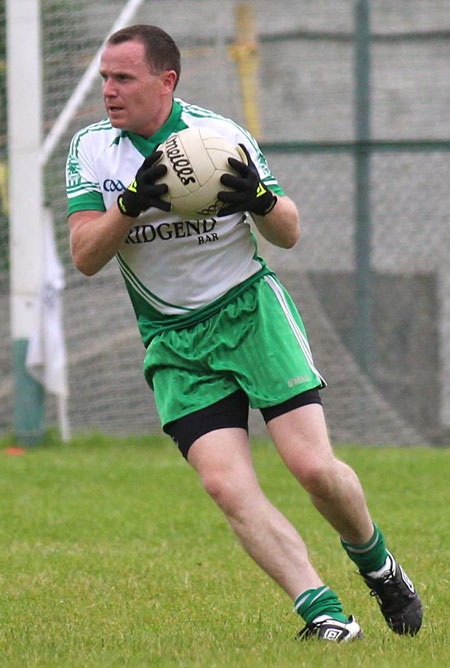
(219,488)
(216,486)
(315,474)
(231,493)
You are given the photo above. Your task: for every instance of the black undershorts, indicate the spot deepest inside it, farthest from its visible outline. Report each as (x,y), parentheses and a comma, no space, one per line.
(232,411)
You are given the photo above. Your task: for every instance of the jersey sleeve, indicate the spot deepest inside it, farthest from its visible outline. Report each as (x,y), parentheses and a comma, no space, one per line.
(83,189)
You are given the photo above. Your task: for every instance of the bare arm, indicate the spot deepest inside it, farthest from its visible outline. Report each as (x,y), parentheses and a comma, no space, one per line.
(281,226)
(95,237)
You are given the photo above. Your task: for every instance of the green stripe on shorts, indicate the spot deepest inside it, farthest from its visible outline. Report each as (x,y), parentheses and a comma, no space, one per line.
(257,343)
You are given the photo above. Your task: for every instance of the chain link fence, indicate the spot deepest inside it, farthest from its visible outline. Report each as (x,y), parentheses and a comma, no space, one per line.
(306,103)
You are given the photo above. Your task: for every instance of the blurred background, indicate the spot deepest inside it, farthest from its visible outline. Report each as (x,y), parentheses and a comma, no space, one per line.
(350,102)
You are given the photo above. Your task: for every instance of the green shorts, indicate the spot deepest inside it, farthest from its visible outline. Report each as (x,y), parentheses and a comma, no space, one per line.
(256,343)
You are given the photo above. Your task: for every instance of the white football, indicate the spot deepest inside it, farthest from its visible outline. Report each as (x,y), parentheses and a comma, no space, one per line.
(195,159)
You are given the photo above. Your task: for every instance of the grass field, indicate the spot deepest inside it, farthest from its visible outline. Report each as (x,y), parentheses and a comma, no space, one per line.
(112,555)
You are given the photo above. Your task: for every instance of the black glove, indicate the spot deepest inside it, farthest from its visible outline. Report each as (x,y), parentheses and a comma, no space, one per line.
(249,193)
(143,192)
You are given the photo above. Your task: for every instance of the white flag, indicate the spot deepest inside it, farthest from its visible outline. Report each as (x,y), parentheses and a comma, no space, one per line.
(46,355)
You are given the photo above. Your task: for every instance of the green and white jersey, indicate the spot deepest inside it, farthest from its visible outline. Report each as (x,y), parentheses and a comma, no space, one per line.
(177,271)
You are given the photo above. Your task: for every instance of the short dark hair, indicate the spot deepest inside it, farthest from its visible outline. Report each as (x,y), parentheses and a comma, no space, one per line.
(161,52)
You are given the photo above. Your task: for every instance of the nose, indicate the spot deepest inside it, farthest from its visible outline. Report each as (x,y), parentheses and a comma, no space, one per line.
(109,89)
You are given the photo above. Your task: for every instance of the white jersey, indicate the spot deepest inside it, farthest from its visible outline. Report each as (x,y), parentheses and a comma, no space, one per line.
(176,271)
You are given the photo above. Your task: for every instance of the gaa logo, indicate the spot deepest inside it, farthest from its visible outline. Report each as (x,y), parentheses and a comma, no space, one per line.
(111,186)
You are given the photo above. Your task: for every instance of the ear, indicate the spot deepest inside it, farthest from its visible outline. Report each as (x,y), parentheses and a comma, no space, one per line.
(168,81)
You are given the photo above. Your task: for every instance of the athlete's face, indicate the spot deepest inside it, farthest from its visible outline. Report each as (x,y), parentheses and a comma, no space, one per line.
(135,98)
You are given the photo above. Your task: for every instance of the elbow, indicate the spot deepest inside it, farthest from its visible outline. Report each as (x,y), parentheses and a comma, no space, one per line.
(291,239)
(286,240)
(81,259)
(83,265)
(291,226)
(87,271)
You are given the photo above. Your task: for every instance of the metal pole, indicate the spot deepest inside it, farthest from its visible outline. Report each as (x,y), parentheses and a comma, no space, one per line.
(245,52)
(26,221)
(363,292)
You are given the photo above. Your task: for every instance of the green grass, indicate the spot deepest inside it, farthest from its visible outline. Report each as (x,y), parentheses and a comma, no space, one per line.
(112,555)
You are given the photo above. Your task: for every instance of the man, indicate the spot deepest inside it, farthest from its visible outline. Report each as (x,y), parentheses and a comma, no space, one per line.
(220,330)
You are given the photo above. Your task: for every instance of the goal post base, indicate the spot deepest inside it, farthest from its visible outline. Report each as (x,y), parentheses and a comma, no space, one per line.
(29,399)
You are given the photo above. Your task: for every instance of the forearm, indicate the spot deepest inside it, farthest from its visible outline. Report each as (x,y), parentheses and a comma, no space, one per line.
(281,226)
(96,237)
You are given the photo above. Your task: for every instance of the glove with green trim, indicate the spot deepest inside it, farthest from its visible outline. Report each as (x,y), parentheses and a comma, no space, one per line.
(143,192)
(248,191)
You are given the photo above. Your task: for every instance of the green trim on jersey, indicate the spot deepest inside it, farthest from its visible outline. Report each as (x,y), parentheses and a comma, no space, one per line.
(101,126)
(173,124)
(92,201)
(134,282)
(151,322)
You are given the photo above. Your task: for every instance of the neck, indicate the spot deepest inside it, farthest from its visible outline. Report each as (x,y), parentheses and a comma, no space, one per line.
(157,122)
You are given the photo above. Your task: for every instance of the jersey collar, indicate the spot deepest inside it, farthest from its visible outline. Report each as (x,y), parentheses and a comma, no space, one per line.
(146,146)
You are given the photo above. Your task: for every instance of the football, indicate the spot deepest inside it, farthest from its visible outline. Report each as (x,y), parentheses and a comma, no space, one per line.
(195,159)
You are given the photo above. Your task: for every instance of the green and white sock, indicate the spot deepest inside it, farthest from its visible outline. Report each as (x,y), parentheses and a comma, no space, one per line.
(321,601)
(371,556)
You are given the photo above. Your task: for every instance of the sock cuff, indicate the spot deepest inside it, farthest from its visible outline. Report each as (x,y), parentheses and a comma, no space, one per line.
(314,603)
(360,548)
(301,598)
(370,556)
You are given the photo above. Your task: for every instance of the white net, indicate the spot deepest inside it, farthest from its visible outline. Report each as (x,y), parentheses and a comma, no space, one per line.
(306,93)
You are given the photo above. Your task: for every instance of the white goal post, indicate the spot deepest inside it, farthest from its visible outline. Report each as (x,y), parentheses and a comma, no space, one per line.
(26,197)
(28,155)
